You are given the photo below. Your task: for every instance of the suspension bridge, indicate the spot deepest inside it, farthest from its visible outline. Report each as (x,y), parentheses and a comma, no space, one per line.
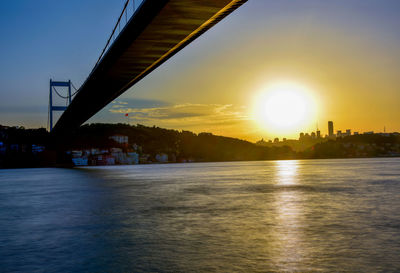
(147,33)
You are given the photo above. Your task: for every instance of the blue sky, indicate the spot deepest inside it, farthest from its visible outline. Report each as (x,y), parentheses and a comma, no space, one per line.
(47,39)
(353,42)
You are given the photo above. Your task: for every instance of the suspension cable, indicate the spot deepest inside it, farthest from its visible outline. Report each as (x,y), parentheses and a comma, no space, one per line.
(112,33)
(67,97)
(76,90)
(73,86)
(61,96)
(73,94)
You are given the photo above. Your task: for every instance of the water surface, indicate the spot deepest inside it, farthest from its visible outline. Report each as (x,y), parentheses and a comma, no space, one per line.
(312,215)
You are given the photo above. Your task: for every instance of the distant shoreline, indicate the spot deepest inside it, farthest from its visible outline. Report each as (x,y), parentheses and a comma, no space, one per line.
(123,144)
(70,166)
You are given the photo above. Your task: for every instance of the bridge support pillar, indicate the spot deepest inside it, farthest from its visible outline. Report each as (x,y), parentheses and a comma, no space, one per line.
(52,108)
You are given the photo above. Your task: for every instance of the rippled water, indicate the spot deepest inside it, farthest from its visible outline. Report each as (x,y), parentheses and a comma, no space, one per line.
(313,215)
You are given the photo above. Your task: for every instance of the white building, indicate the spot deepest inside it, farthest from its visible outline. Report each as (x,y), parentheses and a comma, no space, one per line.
(162,158)
(120,139)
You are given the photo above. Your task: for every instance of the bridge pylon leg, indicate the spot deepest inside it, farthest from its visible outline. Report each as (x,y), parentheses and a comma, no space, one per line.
(52,107)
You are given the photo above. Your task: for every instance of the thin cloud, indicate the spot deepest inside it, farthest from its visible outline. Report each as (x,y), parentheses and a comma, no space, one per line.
(185,114)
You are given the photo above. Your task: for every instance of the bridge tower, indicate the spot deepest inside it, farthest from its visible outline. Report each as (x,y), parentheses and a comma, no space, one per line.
(52,108)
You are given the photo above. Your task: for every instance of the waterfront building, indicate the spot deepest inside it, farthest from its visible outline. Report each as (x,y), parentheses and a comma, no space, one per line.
(162,158)
(105,160)
(133,158)
(80,161)
(121,139)
(37,149)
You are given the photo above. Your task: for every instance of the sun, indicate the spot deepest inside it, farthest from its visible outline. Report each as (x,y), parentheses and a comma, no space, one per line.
(284,108)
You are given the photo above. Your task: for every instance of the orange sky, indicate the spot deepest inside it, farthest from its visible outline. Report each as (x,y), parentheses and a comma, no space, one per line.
(350,66)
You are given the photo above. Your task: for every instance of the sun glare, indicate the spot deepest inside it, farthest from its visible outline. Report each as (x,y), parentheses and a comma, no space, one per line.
(284,108)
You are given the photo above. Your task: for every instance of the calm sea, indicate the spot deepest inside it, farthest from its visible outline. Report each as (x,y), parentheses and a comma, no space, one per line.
(312,215)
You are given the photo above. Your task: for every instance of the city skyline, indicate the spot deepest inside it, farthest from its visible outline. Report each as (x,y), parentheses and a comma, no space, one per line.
(213,84)
(318,133)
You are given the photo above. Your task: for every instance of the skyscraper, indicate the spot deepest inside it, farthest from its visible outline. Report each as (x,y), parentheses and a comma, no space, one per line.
(330,128)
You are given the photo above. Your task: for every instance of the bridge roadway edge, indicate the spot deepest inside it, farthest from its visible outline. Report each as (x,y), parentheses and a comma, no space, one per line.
(94,93)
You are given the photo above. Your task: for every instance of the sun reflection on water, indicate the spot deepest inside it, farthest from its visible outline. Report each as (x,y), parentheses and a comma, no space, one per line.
(289,209)
(287,172)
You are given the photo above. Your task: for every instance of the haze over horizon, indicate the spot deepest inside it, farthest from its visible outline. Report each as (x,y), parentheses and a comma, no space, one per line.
(343,56)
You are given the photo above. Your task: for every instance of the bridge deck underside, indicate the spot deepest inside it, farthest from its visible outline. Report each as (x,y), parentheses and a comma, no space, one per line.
(157,31)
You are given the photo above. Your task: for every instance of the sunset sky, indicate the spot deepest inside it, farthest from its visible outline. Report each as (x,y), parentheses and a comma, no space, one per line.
(343,56)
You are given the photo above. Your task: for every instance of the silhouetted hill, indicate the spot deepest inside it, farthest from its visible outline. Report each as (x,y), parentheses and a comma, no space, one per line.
(179,144)
(365,145)
(21,147)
